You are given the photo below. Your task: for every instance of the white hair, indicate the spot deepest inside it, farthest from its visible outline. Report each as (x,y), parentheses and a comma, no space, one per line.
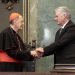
(64,10)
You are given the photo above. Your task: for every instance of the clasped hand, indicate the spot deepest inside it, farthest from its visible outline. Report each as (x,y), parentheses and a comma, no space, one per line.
(37,53)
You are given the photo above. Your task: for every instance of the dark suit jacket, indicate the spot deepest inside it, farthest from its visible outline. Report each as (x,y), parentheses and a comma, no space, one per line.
(64,46)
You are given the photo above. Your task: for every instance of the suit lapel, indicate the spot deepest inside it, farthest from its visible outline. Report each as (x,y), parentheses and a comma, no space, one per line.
(65,28)
(59,35)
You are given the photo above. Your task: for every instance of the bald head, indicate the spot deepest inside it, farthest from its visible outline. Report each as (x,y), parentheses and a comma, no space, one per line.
(14,16)
(16,21)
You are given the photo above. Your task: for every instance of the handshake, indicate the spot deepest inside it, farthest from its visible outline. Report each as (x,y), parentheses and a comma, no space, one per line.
(37,53)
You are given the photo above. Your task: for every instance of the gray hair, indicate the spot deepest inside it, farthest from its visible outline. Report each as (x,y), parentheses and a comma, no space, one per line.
(64,10)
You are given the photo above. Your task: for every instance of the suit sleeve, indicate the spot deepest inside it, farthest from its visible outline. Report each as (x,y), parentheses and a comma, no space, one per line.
(64,40)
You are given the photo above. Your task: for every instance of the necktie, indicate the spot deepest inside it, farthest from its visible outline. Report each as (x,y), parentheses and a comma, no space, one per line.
(61,30)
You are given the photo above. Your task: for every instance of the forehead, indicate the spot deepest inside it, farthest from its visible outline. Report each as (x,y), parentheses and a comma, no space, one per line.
(59,12)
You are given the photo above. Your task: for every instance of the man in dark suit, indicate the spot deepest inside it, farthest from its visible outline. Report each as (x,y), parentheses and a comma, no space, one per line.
(63,47)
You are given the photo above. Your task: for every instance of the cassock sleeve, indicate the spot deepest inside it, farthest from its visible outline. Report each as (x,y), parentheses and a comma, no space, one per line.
(9,46)
(6,41)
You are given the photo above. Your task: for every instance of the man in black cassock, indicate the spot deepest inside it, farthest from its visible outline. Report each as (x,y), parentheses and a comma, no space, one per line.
(12,49)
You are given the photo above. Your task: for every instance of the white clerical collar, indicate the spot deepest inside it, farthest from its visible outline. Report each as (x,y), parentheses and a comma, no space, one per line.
(64,24)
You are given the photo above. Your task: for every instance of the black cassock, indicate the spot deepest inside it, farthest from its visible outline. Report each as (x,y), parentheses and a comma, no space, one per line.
(11,43)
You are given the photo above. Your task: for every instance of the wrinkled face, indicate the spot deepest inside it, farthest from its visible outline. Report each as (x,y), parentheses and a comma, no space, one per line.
(59,18)
(19,22)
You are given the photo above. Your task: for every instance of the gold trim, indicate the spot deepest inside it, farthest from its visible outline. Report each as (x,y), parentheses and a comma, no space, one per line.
(64,64)
(28,20)
(24,16)
(24,22)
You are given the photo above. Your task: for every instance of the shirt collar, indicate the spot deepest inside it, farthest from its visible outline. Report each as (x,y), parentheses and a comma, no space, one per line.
(64,25)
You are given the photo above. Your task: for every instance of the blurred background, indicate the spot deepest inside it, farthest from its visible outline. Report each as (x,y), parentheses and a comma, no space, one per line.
(39,26)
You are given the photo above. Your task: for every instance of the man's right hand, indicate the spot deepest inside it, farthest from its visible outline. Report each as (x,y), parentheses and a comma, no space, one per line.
(37,53)
(40,52)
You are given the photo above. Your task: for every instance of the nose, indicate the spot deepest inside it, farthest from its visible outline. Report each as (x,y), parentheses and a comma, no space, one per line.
(23,23)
